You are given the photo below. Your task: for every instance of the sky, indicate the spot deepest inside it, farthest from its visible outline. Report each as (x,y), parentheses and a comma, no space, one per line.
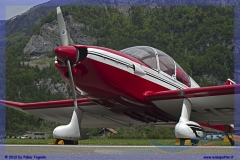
(11,8)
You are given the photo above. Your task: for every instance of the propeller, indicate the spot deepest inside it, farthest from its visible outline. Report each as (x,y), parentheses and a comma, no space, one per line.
(62,28)
(69,55)
(72,83)
(65,53)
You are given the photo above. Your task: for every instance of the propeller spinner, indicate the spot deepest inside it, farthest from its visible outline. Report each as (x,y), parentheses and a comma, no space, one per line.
(67,53)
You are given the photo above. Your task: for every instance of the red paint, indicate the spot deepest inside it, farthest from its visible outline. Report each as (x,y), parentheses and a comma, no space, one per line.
(137,86)
(223,128)
(92,77)
(193,92)
(100,80)
(63,70)
(49,104)
(66,52)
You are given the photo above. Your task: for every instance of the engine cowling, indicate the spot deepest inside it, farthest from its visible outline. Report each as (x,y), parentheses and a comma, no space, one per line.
(189,130)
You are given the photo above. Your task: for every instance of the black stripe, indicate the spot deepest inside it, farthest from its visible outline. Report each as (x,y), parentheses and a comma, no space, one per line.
(196,126)
(163,80)
(131,66)
(111,58)
(197,129)
(195,132)
(193,125)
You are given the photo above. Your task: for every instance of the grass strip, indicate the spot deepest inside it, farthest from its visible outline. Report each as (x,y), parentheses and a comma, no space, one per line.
(106,141)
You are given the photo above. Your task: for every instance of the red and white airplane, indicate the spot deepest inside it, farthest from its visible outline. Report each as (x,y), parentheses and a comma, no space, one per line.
(134,86)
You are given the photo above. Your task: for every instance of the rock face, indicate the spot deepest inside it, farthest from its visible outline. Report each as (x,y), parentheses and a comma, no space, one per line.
(26,21)
(49,38)
(54,88)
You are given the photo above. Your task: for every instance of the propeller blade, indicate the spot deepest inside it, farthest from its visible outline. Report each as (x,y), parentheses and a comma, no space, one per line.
(62,28)
(72,83)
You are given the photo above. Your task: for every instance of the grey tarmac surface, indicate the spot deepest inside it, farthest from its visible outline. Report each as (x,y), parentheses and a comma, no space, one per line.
(98,149)
(118,152)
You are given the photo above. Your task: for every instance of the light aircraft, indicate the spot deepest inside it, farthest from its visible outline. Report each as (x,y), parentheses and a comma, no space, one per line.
(133,86)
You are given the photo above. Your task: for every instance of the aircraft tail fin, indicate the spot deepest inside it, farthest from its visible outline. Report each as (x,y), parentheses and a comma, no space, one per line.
(229,82)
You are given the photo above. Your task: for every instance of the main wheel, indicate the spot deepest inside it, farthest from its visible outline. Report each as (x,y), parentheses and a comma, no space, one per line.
(64,142)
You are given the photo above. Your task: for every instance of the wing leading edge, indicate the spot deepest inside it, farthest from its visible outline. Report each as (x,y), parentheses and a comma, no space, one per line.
(211,105)
(61,111)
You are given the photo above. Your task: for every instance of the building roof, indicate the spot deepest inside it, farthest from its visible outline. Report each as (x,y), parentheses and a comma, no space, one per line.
(107,130)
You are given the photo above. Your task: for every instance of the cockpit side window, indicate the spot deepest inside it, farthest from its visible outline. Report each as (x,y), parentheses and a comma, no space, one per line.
(182,76)
(151,62)
(166,63)
(142,53)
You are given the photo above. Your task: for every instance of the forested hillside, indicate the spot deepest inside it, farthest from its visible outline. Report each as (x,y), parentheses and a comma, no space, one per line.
(200,39)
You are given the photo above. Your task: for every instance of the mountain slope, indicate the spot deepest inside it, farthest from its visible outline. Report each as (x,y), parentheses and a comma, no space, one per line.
(199,38)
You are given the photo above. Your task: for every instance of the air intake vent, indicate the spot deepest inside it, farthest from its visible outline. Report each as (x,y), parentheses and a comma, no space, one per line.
(82,54)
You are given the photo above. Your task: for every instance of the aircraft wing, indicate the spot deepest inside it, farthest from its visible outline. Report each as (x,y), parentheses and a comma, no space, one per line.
(211,105)
(61,111)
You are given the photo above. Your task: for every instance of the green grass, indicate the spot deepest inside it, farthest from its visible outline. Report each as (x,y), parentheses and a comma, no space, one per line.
(217,143)
(102,141)
(137,142)
(28,141)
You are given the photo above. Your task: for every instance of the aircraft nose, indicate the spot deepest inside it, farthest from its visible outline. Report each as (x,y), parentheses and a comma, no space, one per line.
(66,52)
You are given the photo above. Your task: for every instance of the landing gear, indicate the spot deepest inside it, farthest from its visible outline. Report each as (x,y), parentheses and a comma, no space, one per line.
(188,130)
(186,142)
(230,138)
(64,142)
(73,130)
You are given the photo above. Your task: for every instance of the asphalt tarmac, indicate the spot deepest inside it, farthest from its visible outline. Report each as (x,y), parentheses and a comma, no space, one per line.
(117,152)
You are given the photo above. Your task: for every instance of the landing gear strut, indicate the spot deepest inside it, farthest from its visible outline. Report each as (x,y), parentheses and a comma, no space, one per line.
(230,138)
(73,131)
(186,130)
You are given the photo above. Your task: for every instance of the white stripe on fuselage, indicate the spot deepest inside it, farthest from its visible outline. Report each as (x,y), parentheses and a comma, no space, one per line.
(125,64)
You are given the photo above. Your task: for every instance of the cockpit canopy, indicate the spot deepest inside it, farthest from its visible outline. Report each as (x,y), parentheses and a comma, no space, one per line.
(158,60)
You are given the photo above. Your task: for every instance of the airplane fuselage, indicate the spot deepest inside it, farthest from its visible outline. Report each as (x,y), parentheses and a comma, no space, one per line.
(119,82)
